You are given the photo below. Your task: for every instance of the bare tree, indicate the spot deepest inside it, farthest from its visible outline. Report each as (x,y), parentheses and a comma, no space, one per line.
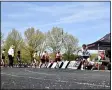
(43,46)
(13,38)
(70,44)
(33,39)
(54,39)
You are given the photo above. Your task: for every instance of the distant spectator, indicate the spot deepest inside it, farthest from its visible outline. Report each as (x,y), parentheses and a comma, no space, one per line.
(11,56)
(108,54)
(101,55)
(19,58)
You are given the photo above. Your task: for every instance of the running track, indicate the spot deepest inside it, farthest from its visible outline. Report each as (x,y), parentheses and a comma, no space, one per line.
(33,78)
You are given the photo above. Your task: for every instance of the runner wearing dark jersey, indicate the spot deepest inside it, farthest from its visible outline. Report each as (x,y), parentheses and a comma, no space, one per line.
(3,58)
(46,58)
(43,58)
(58,56)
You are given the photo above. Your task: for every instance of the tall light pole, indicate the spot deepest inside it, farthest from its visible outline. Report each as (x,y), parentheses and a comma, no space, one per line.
(62,40)
(62,35)
(2,43)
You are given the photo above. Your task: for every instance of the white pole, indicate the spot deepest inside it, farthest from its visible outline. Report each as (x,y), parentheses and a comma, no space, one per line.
(98,54)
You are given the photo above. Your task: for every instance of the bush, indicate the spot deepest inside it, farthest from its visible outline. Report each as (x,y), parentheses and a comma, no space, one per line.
(69,57)
(93,56)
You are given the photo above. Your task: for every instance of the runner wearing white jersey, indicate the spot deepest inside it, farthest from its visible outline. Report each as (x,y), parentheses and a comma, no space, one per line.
(85,55)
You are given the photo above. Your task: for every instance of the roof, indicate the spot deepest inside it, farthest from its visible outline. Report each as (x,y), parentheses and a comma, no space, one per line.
(103,43)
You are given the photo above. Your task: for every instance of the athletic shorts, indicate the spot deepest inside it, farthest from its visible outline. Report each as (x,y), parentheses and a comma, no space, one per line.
(57,59)
(85,57)
(91,63)
(43,60)
(3,57)
(47,60)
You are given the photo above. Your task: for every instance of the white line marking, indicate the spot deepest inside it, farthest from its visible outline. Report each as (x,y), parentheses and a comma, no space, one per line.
(2,84)
(20,76)
(47,87)
(39,73)
(89,84)
(14,83)
(101,70)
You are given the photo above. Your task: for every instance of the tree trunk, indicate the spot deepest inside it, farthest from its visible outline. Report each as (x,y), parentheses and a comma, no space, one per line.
(39,56)
(31,55)
(68,56)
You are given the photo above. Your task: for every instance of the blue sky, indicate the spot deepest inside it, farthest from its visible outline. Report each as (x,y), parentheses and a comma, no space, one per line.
(88,21)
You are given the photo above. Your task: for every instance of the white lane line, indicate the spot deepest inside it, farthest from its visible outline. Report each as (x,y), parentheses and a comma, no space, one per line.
(14,83)
(89,84)
(101,70)
(38,72)
(20,76)
(2,84)
(47,87)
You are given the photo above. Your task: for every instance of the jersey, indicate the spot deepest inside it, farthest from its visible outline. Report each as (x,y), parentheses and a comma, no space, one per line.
(85,53)
(58,55)
(43,56)
(3,55)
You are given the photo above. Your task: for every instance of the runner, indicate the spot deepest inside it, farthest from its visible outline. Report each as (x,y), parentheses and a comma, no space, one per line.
(3,58)
(85,56)
(46,58)
(43,59)
(58,56)
(35,59)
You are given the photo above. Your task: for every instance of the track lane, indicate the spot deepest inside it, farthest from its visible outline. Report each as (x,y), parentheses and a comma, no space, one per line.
(54,79)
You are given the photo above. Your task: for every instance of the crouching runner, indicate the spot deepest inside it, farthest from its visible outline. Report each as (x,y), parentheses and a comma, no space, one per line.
(85,56)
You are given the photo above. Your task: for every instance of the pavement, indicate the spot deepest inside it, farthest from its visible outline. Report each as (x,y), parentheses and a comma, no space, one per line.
(36,78)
